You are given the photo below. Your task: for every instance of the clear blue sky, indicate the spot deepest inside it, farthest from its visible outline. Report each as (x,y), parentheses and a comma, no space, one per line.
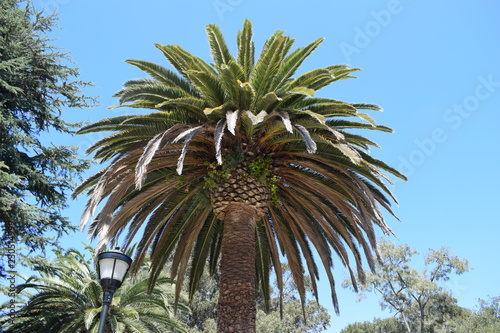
(432,65)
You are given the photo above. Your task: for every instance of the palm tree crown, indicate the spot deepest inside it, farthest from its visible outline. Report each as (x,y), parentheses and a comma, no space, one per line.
(240,133)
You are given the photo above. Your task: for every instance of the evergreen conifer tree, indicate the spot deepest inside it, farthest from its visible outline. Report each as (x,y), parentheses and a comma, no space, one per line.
(37,82)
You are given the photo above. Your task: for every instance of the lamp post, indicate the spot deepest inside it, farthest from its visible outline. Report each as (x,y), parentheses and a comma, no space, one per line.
(112,266)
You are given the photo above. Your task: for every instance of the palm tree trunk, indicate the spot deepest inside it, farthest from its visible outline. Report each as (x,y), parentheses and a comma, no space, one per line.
(236,310)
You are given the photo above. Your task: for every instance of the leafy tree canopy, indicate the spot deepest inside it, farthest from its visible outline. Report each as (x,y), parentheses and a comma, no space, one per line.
(36,84)
(388,325)
(420,302)
(486,319)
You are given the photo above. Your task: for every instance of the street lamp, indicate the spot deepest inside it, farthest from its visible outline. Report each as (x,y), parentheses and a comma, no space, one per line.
(112,266)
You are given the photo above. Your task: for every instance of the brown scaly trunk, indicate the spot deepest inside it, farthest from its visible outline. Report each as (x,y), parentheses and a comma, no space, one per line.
(239,200)
(236,310)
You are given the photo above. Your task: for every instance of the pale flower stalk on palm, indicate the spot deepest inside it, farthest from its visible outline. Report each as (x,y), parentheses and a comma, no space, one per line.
(237,165)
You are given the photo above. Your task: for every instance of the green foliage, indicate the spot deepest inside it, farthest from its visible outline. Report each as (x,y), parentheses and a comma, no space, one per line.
(294,317)
(312,318)
(215,172)
(203,305)
(203,316)
(416,296)
(260,167)
(389,325)
(66,296)
(36,85)
(486,319)
(272,184)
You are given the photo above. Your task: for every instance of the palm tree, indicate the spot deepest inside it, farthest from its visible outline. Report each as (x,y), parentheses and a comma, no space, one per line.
(68,298)
(239,162)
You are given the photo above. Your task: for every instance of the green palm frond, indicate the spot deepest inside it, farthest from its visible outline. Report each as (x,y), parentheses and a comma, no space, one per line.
(230,76)
(268,64)
(184,61)
(163,75)
(292,62)
(104,125)
(148,89)
(218,46)
(208,85)
(246,49)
